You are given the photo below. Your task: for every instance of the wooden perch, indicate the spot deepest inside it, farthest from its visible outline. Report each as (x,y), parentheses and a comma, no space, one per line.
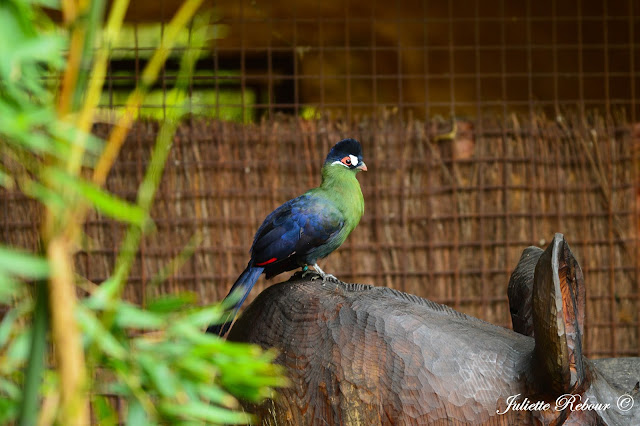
(359,354)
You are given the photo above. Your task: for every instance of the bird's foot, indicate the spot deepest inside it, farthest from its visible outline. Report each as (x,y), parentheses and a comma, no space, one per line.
(321,274)
(301,273)
(305,271)
(313,275)
(329,277)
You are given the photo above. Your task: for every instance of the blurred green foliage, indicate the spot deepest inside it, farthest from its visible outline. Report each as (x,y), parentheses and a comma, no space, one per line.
(156,359)
(145,35)
(228,102)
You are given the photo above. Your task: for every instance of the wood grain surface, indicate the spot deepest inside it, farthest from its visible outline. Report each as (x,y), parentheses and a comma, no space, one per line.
(363,355)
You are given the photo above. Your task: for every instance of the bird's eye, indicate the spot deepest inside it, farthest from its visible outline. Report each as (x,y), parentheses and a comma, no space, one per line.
(346,161)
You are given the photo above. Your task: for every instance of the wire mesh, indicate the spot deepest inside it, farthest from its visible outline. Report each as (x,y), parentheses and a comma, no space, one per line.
(540,136)
(419,57)
(446,216)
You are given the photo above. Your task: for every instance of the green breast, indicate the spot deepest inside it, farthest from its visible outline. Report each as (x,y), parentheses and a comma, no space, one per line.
(340,186)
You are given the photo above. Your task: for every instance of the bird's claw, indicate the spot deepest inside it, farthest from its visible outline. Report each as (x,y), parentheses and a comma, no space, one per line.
(324,277)
(329,277)
(314,275)
(306,271)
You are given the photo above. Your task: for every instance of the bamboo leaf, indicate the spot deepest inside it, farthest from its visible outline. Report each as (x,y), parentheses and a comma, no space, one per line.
(16,129)
(23,264)
(202,317)
(17,353)
(46,196)
(172,302)
(129,316)
(217,395)
(6,180)
(164,381)
(8,287)
(106,415)
(8,410)
(102,200)
(6,324)
(37,353)
(10,389)
(136,414)
(197,368)
(94,331)
(209,413)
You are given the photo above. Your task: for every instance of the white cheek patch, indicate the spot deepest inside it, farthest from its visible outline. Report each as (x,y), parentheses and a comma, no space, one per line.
(341,163)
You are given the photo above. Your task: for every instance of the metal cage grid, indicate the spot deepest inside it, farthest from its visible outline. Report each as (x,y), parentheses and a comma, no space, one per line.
(488,125)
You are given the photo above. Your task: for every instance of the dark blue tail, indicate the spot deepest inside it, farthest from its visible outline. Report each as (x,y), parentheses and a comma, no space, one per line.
(240,290)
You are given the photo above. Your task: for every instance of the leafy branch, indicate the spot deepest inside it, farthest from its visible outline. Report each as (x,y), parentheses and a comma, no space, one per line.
(157,360)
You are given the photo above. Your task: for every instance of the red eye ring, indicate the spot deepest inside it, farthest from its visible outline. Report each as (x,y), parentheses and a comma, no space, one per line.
(346,161)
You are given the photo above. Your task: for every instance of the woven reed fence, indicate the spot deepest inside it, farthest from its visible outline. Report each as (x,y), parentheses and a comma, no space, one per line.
(447,212)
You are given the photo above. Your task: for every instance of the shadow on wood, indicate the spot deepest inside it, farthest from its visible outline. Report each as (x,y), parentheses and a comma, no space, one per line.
(358,354)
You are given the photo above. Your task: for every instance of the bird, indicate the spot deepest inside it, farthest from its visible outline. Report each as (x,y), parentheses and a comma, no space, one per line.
(305,228)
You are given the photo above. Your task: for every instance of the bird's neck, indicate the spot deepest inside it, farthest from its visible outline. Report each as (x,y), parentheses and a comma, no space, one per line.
(340,185)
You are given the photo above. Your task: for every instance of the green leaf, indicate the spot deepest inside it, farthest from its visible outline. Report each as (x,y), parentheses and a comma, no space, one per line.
(8,410)
(209,413)
(102,200)
(172,302)
(217,395)
(104,412)
(42,47)
(17,353)
(136,415)
(94,331)
(7,323)
(36,141)
(71,135)
(36,363)
(46,196)
(10,389)
(49,4)
(23,264)
(197,367)
(162,378)
(6,180)
(129,316)
(8,288)
(202,317)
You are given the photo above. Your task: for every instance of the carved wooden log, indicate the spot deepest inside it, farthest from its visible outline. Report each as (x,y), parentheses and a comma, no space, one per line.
(358,354)
(520,291)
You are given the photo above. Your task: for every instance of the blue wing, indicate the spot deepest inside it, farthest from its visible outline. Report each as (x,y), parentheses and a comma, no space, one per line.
(294,229)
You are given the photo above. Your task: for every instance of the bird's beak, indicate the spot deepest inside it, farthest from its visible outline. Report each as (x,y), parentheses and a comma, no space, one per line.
(362,167)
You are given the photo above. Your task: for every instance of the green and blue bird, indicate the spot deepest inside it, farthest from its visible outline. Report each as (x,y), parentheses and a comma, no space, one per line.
(306,228)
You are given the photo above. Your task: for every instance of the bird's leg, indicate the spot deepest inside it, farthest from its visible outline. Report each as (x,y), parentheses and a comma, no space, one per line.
(305,271)
(324,276)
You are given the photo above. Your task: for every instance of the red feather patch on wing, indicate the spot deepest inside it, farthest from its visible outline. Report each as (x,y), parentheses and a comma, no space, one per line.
(273,259)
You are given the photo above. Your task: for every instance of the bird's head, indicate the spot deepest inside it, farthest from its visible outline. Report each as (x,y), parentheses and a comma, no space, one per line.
(346,153)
